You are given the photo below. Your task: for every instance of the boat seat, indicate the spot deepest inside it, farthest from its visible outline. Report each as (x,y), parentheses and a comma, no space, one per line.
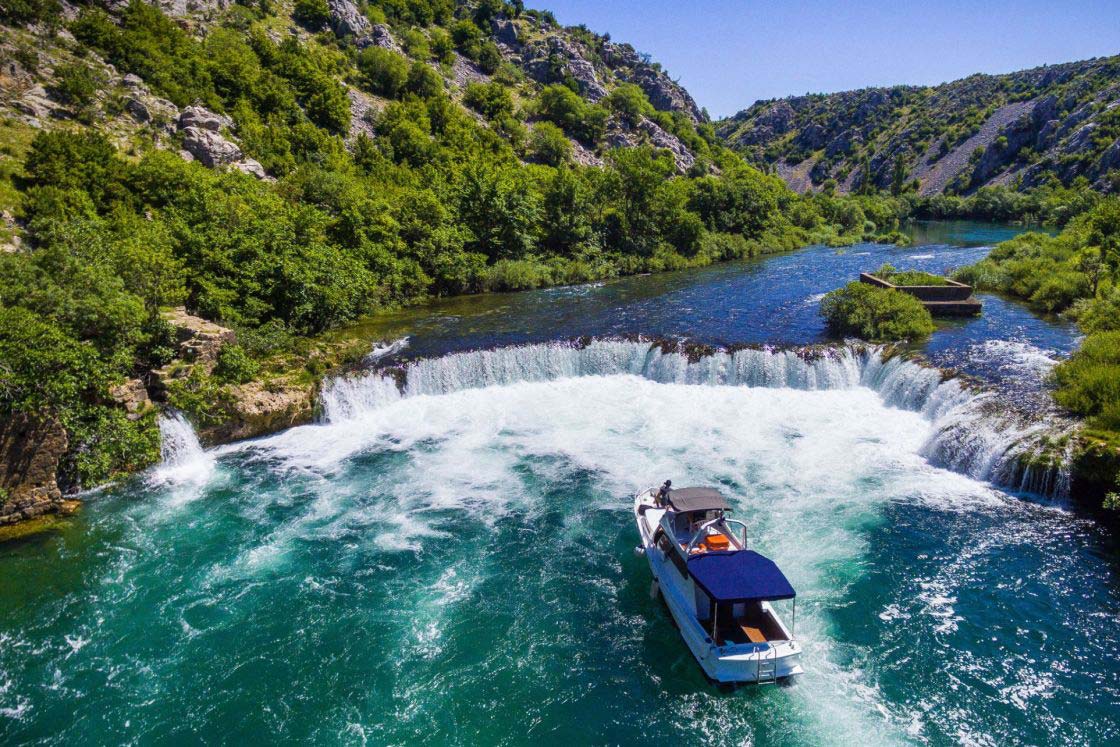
(754,635)
(716,542)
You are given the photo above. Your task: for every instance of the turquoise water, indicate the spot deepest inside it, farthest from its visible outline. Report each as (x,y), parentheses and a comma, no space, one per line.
(456,566)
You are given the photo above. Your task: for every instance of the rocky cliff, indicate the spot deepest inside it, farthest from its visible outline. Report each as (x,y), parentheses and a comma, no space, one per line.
(1021,129)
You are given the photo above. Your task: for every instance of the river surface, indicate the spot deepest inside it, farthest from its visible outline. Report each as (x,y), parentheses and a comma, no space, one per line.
(453,563)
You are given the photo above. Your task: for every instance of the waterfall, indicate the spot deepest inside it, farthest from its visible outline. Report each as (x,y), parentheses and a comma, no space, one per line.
(183,460)
(971,432)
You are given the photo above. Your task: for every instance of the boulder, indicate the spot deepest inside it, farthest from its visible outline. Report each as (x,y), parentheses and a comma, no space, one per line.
(346,19)
(664,94)
(139,110)
(30,452)
(202,118)
(256,408)
(380,36)
(505,32)
(210,148)
(659,138)
(35,103)
(252,167)
(543,57)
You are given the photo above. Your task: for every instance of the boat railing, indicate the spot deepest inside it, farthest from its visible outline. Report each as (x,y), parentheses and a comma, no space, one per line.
(702,532)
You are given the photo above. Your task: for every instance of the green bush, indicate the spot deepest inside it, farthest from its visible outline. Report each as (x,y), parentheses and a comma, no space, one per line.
(549,145)
(875,314)
(563,107)
(1089,382)
(630,102)
(491,100)
(314,14)
(383,72)
(234,366)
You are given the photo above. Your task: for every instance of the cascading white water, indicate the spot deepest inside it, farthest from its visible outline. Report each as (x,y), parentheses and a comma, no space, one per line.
(969,432)
(183,460)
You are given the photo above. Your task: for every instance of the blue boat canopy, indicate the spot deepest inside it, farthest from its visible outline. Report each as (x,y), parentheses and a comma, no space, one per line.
(739,576)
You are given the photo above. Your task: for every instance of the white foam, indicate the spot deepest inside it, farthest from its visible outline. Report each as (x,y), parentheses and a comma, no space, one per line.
(184,462)
(966,437)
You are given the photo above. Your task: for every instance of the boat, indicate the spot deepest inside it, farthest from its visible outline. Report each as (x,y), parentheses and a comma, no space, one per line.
(720,593)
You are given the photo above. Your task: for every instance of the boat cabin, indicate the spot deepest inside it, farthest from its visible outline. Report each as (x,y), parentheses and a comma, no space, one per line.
(732,586)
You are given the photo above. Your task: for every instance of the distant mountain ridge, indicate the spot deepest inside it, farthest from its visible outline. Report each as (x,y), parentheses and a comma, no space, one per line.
(1019,129)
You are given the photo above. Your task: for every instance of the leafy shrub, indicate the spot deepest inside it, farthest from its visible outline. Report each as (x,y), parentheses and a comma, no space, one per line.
(491,100)
(549,145)
(563,107)
(1089,382)
(630,102)
(234,366)
(876,314)
(76,85)
(314,14)
(384,72)
(424,81)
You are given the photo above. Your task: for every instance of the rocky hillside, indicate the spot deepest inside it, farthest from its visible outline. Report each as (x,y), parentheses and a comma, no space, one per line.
(50,78)
(1021,129)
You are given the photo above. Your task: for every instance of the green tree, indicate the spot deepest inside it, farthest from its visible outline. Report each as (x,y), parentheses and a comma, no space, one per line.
(549,145)
(384,72)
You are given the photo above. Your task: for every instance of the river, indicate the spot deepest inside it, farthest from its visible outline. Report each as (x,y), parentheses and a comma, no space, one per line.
(452,563)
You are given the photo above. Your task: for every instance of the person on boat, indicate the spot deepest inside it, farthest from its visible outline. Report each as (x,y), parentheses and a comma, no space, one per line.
(662,496)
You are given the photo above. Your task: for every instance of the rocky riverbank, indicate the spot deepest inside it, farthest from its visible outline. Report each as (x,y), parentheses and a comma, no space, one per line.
(35,453)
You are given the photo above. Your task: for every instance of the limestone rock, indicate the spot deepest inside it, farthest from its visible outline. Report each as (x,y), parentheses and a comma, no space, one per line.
(257,408)
(202,118)
(252,167)
(659,138)
(543,56)
(139,110)
(505,32)
(35,103)
(380,36)
(30,451)
(132,395)
(363,109)
(199,340)
(346,19)
(210,148)
(133,81)
(465,72)
(664,94)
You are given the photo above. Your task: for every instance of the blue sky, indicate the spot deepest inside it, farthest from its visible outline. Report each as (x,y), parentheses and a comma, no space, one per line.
(729,54)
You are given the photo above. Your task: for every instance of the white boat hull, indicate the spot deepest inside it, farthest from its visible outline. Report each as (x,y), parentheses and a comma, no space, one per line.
(731,663)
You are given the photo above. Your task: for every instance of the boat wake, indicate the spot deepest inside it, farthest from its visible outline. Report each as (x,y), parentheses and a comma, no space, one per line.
(972,432)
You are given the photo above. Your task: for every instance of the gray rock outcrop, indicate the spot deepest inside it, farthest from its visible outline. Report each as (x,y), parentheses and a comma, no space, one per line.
(346,19)
(210,148)
(203,118)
